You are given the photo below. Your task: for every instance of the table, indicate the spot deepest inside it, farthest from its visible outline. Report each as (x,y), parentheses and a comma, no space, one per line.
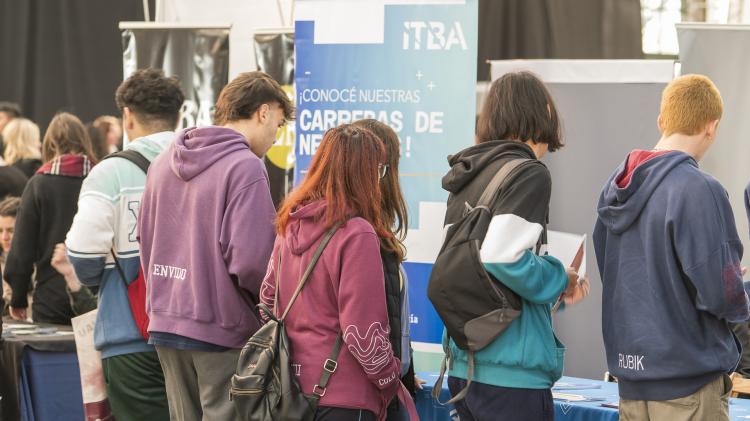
(39,377)
(429,410)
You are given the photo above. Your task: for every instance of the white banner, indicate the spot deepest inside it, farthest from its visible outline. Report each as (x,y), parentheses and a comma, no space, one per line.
(721,53)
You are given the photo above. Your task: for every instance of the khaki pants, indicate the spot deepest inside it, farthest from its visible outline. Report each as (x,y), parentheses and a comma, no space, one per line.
(198,383)
(711,402)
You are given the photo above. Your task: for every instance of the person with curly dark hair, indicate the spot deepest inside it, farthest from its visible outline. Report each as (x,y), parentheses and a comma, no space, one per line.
(103,248)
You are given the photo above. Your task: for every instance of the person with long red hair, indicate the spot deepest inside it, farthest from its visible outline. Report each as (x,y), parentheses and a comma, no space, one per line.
(345,294)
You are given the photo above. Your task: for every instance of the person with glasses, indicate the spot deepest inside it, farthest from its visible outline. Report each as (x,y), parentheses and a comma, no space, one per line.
(393,254)
(344,300)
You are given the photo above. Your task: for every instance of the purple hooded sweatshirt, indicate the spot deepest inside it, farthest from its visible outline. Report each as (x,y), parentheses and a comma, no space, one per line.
(206,220)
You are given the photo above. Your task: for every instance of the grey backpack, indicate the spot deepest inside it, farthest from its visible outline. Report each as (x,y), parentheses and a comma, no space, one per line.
(264,386)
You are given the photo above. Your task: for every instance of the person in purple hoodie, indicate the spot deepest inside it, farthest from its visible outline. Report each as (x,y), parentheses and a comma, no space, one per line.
(206,229)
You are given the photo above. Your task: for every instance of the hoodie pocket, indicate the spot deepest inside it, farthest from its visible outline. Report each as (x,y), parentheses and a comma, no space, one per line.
(559,358)
(543,351)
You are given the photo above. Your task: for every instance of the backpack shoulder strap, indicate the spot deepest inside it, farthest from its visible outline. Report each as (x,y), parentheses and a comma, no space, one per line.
(492,189)
(329,367)
(318,252)
(133,156)
(118,267)
(141,162)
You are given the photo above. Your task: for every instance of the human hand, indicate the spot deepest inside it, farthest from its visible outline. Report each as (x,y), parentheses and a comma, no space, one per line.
(572,280)
(60,261)
(18,313)
(419,382)
(580,292)
(7,292)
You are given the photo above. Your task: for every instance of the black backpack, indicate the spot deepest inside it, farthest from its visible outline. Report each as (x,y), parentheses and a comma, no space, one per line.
(264,386)
(474,306)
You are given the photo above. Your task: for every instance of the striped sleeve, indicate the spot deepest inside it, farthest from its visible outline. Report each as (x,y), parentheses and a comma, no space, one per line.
(520,212)
(90,237)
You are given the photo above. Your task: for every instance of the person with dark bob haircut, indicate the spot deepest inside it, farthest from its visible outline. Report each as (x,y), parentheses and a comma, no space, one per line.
(513,375)
(103,248)
(519,107)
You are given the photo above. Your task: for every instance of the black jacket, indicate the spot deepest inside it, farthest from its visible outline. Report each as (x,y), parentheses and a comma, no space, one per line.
(28,166)
(12,181)
(48,206)
(472,170)
(393,285)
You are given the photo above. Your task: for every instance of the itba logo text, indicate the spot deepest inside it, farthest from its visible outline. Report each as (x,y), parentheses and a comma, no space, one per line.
(419,35)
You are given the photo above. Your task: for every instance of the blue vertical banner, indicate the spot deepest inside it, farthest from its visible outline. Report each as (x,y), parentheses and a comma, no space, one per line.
(411,65)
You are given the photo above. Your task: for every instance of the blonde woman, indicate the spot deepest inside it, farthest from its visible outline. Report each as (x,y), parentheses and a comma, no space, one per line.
(48,205)
(22,145)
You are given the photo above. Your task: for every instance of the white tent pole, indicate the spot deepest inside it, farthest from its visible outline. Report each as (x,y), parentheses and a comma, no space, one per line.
(146,12)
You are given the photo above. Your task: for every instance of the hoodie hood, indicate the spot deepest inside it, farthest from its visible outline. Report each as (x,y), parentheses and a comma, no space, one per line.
(198,148)
(619,206)
(152,145)
(305,227)
(470,162)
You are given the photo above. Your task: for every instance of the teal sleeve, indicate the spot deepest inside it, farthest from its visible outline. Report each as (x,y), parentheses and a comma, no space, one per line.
(537,279)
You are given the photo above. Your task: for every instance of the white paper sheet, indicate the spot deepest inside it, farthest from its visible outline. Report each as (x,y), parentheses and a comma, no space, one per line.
(564,246)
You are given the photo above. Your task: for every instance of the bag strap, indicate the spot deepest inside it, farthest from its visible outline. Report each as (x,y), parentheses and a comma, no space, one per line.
(141,162)
(492,189)
(133,156)
(310,267)
(439,383)
(330,364)
(278,283)
(485,200)
(119,268)
(329,367)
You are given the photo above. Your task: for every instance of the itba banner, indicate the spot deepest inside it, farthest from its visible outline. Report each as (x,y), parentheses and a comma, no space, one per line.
(199,57)
(411,65)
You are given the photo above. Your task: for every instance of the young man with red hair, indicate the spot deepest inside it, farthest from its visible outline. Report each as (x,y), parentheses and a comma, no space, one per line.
(669,256)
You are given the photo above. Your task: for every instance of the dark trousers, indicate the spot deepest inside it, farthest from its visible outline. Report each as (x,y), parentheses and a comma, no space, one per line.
(484,402)
(328,413)
(135,387)
(742,331)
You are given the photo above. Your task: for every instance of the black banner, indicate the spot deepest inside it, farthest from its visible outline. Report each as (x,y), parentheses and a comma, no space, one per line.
(199,57)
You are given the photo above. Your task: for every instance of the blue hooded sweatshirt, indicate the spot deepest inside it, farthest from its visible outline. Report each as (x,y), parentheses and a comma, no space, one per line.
(669,257)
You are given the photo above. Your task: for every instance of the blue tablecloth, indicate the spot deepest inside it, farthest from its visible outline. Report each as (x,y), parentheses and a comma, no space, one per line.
(429,410)
(50,387)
